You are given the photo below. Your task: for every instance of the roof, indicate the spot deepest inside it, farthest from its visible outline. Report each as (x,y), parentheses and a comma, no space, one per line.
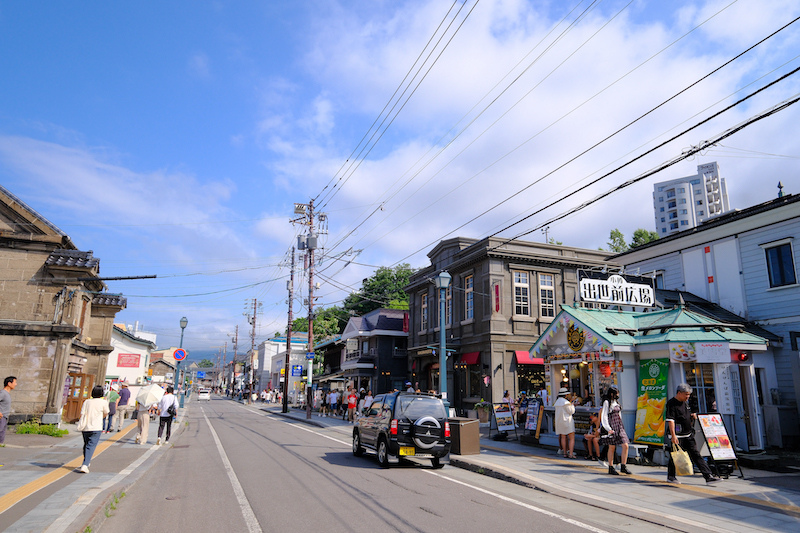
(717,221)
(379,319)
(110,299)
(133,338)
(632,329)
(72,258)
(33,212)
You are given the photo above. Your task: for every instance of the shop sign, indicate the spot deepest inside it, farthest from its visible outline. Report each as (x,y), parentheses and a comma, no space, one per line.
(682,352)
(724,387)
(712,352)
(578,357)
(616,291)
(651,401)
(533,417)
(719,443)
(297,370)
(575,338)
(128,360)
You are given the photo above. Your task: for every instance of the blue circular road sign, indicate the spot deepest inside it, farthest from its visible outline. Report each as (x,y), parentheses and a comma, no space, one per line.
(180,354)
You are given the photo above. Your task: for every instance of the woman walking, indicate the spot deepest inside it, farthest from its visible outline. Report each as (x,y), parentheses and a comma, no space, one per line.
(612,422)
(90,424)
(565,425)
(113,399)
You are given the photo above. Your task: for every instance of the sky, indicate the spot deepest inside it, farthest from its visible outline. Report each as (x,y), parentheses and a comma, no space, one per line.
(174,138)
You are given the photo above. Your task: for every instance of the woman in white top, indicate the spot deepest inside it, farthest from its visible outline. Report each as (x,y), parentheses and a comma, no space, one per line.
(93,412)
(565,425)
(165,417)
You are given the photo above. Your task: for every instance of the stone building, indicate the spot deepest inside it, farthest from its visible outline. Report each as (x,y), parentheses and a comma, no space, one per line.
(55,318)
(503,295)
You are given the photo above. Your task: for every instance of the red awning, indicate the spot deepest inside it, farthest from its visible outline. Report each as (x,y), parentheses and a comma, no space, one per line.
(524,358)
(471,358)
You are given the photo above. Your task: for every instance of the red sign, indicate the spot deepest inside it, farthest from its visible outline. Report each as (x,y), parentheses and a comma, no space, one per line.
(128,360)
(711,279)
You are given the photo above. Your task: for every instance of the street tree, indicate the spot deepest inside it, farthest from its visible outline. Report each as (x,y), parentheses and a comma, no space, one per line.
(642,236)
(205,363)
(616,241)
(383,289)
(328,322)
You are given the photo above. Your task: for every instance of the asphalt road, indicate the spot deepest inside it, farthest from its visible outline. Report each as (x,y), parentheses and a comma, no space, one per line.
(237,468)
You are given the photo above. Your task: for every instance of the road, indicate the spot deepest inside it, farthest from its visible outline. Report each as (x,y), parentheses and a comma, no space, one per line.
(237,468)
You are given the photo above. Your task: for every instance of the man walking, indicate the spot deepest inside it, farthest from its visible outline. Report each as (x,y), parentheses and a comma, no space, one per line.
(124,406)
(680,424)
(5,405)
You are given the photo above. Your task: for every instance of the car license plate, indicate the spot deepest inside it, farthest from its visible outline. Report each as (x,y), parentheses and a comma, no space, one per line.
(406,450)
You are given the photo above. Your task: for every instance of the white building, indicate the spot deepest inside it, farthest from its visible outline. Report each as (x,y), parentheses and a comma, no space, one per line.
(130,359)
(746,262)
(684,203)
(267,350)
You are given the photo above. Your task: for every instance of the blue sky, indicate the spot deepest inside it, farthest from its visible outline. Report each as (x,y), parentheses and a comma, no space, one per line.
(173,138)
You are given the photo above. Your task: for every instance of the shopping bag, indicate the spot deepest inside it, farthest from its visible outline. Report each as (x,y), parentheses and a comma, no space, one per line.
(683,464)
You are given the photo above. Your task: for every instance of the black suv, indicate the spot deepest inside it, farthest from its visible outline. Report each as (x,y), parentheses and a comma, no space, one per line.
(404,424)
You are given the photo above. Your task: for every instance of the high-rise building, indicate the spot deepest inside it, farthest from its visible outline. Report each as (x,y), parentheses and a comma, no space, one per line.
(684,203)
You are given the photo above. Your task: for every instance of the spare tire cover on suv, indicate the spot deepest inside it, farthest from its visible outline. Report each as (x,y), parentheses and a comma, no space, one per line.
(426,432)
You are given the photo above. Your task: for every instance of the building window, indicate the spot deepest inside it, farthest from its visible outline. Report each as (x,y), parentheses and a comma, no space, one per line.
(469,312)
(672,205)
(522,296)
(661,210)
(682,201)
(660,280)
(662,219)
(684,211)
(697,191)
(547,298)
(423,323)
(660,198)
(673,215)
(780,265)
(699,202)
(700,376)
(681,189)
(701,213)
(671,194)
(660,189)
(684,222)
(663,230)
(673,225)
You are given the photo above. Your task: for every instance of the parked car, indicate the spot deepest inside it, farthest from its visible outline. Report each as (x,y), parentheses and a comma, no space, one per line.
(404,424)
(204,394)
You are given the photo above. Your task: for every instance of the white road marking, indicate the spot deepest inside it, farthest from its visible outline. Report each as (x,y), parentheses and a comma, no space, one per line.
(71,514)
(247,511)
(522,504)
(285,421)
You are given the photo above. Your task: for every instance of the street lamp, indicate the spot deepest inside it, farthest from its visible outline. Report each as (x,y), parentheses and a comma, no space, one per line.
(442,281)
(178,381)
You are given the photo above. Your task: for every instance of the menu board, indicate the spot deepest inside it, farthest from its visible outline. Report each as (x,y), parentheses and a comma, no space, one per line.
(504,417)
(533,419)
(719,444)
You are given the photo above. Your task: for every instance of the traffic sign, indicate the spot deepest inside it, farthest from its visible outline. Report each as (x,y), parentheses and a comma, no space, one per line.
(310,355)
(180,354)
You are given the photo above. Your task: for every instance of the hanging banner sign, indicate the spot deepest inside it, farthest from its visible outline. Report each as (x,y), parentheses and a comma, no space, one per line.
(651,402)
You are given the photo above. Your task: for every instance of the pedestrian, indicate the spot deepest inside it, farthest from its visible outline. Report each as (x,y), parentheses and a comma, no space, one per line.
(334,401)
(565,425)
(9,384)
(508,401)
(592,438)
(113,397)
(124,405)
(612,422)
(680,421)
(93,411)
(352,404)
(409,388)
(143,413)
(543,395)
(368,399)
(522,408)
(264,396)
(167,410)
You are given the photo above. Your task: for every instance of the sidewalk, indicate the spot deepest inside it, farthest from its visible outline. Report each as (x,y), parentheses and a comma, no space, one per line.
(41,490)
(762,501)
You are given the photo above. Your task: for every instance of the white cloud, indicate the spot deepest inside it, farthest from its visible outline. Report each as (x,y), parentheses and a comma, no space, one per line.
(199,65)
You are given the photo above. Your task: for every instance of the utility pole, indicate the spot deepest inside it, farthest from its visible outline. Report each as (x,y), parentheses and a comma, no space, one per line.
(309,242)
(235,338)
(290,286)
(252,320)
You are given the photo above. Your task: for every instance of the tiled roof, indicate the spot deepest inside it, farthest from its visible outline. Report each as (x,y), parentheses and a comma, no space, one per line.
(72,258)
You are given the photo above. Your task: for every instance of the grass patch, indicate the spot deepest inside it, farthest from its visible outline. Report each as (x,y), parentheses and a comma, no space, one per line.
(33,427)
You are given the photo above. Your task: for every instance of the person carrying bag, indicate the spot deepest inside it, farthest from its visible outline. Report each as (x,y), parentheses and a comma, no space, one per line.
(683,464)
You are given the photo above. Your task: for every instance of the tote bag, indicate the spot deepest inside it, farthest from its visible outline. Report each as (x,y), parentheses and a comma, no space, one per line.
(683,464)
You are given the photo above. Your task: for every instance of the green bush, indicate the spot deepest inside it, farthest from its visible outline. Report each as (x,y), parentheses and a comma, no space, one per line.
(33,427)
